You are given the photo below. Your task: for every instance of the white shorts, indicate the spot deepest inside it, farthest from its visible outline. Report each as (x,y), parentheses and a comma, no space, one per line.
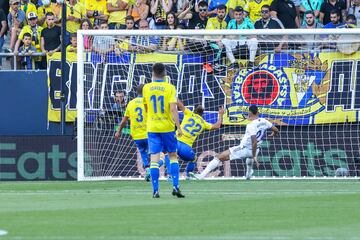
(239,152)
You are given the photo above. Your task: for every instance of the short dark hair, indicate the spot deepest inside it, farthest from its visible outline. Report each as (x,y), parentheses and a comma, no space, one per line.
(265,6)
(73,35)
(253,109)
(49,14)
(351,17)
(159,70)
(335,12)
(199,110)
(129,17)
(27,35)
(309,12)
(239,9)
(139,89)
(221,7)
(203,4)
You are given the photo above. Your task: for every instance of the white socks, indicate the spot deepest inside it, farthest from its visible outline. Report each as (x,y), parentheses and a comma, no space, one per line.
(211,166)
(249,167)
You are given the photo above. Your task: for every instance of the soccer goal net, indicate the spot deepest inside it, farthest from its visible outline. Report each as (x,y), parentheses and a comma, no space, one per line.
(306,82)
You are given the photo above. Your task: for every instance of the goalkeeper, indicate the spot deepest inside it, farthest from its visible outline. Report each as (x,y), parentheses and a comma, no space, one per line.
(135,111)
(192,126)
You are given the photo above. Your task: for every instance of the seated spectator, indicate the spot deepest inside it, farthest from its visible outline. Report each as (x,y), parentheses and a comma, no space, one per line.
(243,45)
(311,41)
(103,44)
(73,43)
(334,20)
(85,24)
(159,9)
(214,5)
(176,43)
(75,11)
(3,28)
(27,49)
(171,21)
(268,43)
(350,22)
(355,10)
(139,11)
(328,6)
(285,11)
(253,8)
(117,12)
(197,20)
(16,20)
(143,44)
(35,32)
(130,23)
(122,41)
(96,11)
(310,5)
(50,36)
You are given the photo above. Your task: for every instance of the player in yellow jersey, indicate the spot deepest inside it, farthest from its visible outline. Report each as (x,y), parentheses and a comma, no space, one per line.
(135,111)
(192,126)
(162,116)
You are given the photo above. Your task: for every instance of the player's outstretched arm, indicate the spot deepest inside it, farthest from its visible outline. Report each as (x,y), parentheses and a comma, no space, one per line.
(274,132)
(217,125)
(175,116)
(254,148)
(121,126)
(180,105)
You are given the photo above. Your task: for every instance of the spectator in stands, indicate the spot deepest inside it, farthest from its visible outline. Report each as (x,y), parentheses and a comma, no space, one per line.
(56,9)
(214,6)
(242,45)
(50,36)
(311,41)
(171,21)
(328,6)
(75,11)
(103,44)
(254,9)
(73,43)
(85,24)
(355,10)
(159,9)
(3,28)
(46,7)
(285,11)
(117,12)
(35,32)
(310,5)
(350,22)
(27,6)
(27,49)
(176,43)
(269,43)
(197,20)
(143,43)
(96,11)
(139,10)
(334,20)
(16,20)
(130,23)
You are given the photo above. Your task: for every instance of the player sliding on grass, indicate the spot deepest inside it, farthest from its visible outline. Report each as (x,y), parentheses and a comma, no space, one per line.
(162,116)
(135,111)
(192,126)
(249,146)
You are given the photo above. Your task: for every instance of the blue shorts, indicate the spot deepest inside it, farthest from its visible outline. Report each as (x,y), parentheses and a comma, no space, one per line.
(185,152)
(142,145)
(162,142)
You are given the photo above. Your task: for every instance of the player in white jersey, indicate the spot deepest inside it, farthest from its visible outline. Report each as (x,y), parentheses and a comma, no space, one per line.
(249,145)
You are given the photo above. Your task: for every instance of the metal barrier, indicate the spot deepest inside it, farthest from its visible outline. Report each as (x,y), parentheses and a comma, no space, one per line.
(14,56)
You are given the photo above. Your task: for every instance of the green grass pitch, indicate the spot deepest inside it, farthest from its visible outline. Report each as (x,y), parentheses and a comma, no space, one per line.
(254,210)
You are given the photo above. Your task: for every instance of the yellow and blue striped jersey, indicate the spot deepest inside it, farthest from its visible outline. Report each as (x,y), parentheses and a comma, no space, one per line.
(157,96)
(135,110)
(192,126)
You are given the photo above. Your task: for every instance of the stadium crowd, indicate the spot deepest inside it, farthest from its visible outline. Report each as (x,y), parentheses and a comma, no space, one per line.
(33,26)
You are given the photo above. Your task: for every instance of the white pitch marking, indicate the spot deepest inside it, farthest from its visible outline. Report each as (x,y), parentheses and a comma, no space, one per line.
(3,232)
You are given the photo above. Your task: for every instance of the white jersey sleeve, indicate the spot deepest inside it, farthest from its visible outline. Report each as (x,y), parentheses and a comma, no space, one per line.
(258,128)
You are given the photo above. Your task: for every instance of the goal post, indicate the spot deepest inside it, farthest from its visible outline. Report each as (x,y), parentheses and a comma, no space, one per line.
(305,81)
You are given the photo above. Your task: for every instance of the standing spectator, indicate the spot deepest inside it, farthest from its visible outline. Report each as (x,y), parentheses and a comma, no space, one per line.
(311,5)
(27,49)
(139,10)
(285,11)
(311,41)
(117,12)
(85,25)
(269,43)
(75,11)
(144,43)
(73,43)
(46,7)
(355,10)
(254,8)
(50,36)
(187,14)
(103,44)
(16,20)
(35,33)
(27,6)
(242,45)
(334,20)
(56,9)
(328,6)
(214,5)
(3,28)
(159,9)
(96,11)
